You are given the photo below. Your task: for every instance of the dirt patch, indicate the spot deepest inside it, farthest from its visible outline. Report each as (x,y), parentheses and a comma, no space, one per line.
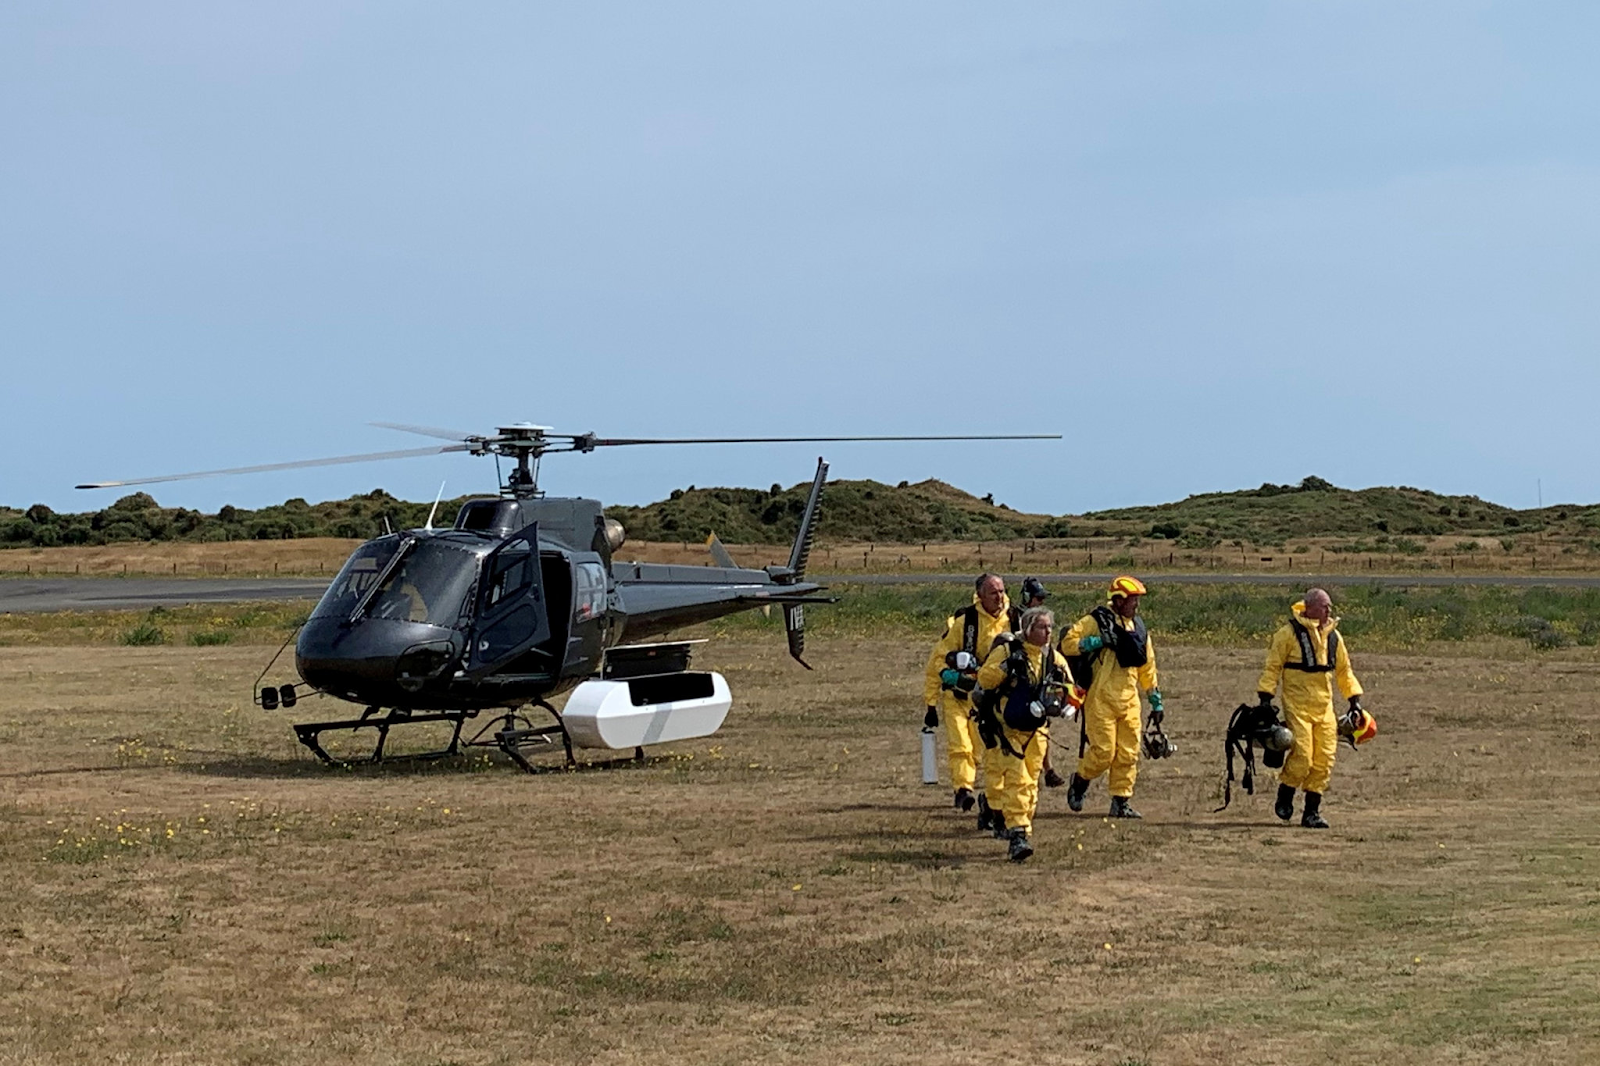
(188,885)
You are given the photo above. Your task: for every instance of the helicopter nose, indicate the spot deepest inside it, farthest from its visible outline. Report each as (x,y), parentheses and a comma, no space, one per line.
(385,662)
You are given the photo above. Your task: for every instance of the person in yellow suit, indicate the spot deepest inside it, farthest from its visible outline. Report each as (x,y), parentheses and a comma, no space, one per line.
(1023,684)
(1309,657)
(1113,641)
(947,688)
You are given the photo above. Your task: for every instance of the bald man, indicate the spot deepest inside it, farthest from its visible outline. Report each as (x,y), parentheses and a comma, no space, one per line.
(1309,657)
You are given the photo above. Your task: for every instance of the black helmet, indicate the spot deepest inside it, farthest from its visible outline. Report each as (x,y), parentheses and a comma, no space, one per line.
(1033,589)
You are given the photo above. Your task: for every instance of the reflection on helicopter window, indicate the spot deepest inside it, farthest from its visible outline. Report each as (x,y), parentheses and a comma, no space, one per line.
(430,584)
(589,592)
(356,577)
(513,572)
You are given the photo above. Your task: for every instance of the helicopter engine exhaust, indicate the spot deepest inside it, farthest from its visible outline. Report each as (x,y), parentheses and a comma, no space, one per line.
(616,536)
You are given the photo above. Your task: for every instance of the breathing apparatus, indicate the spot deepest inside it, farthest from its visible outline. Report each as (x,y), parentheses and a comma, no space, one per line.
(1155,742)
(960,673)
(1252,724)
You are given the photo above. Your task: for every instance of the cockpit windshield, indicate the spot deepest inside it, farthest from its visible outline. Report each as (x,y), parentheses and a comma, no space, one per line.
(356,577)
(429,583)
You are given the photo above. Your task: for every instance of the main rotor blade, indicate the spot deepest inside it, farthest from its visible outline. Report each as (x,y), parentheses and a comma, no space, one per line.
(600,442)
(426,431)
(367,458)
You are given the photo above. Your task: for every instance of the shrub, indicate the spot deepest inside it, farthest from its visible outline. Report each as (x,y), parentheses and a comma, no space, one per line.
(206,637)
(143,635)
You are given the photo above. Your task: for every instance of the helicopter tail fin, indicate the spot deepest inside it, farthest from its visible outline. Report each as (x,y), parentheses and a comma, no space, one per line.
(794,627)
(719,554)
(794,614)
(808,526)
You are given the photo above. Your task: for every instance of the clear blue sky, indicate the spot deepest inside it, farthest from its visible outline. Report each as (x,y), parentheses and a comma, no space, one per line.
(1214,243)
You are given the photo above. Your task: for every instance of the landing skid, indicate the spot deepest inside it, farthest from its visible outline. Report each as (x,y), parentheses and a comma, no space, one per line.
(513,732)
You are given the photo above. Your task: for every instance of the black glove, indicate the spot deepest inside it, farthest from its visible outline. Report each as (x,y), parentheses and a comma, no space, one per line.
(1266,698)
(931,719)
(1355,704)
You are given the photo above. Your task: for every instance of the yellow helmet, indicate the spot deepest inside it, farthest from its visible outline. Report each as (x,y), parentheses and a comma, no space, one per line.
(1127,586)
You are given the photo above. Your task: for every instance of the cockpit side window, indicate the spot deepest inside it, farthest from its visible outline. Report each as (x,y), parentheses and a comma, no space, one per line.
(588,592)
(513,572)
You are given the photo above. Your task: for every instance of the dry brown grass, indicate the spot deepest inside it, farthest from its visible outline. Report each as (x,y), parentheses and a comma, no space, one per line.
(786,892)
(314,556)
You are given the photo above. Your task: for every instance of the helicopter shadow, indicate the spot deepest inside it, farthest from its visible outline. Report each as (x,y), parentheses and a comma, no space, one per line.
(246,767)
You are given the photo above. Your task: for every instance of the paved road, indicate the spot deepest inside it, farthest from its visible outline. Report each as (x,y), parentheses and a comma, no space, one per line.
(121,593)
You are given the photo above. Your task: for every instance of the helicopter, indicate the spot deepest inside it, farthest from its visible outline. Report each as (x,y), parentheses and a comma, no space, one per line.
(523,599)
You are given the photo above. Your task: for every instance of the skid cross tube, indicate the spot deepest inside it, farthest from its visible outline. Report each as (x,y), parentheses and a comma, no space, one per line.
(310,732)
(511,732)
(517,729)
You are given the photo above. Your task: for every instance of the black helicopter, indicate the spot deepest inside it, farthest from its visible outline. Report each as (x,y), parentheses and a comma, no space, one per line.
(521,599)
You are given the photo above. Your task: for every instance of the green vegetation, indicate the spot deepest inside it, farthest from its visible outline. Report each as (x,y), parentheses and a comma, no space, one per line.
(145,633)
(872,511)
(1377,617)
(139,517)
(197,624)
(852,510)
(1316,507)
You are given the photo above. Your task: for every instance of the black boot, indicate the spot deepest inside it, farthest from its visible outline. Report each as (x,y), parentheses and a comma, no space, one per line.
(964,799)
(998,828)
(1121,808)
(1020,848)
(1312,818)
(1053,778)
(985,814)
(1284,808)
(1076,791)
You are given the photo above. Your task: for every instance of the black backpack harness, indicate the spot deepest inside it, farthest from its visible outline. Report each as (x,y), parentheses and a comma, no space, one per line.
(1250,723)
(1130,646)
(1011,703)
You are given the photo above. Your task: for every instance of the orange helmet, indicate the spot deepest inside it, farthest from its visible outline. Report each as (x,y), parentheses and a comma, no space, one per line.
(1358,727)
(1127,586)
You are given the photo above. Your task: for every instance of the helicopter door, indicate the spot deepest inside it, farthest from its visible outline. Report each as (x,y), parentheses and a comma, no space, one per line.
(511,606)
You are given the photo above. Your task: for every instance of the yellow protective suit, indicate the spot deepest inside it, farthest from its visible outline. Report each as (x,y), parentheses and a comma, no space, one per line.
(1111,708)
(1018,768)
(1308,699)
(962,743)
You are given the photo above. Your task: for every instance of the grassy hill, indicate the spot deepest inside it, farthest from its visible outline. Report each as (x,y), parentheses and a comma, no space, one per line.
(1316,508)
(857,511)
(851,511)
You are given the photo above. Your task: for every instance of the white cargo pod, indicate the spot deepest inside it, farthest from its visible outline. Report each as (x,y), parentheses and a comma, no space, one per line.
(655,709)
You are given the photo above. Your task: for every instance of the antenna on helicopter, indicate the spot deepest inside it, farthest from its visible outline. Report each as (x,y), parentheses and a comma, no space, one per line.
(435,509)
(527,444)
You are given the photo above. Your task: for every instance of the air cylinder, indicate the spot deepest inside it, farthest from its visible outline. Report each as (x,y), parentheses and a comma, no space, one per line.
(930,765)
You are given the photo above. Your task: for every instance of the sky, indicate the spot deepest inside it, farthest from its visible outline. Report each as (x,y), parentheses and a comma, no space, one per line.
(1213,244)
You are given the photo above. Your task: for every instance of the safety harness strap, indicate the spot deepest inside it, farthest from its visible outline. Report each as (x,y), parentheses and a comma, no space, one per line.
(969,629)
(1238,741)
(1308,651)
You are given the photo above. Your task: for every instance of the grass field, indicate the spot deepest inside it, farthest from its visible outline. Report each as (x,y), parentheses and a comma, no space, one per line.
(1525,554)
(188,886)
